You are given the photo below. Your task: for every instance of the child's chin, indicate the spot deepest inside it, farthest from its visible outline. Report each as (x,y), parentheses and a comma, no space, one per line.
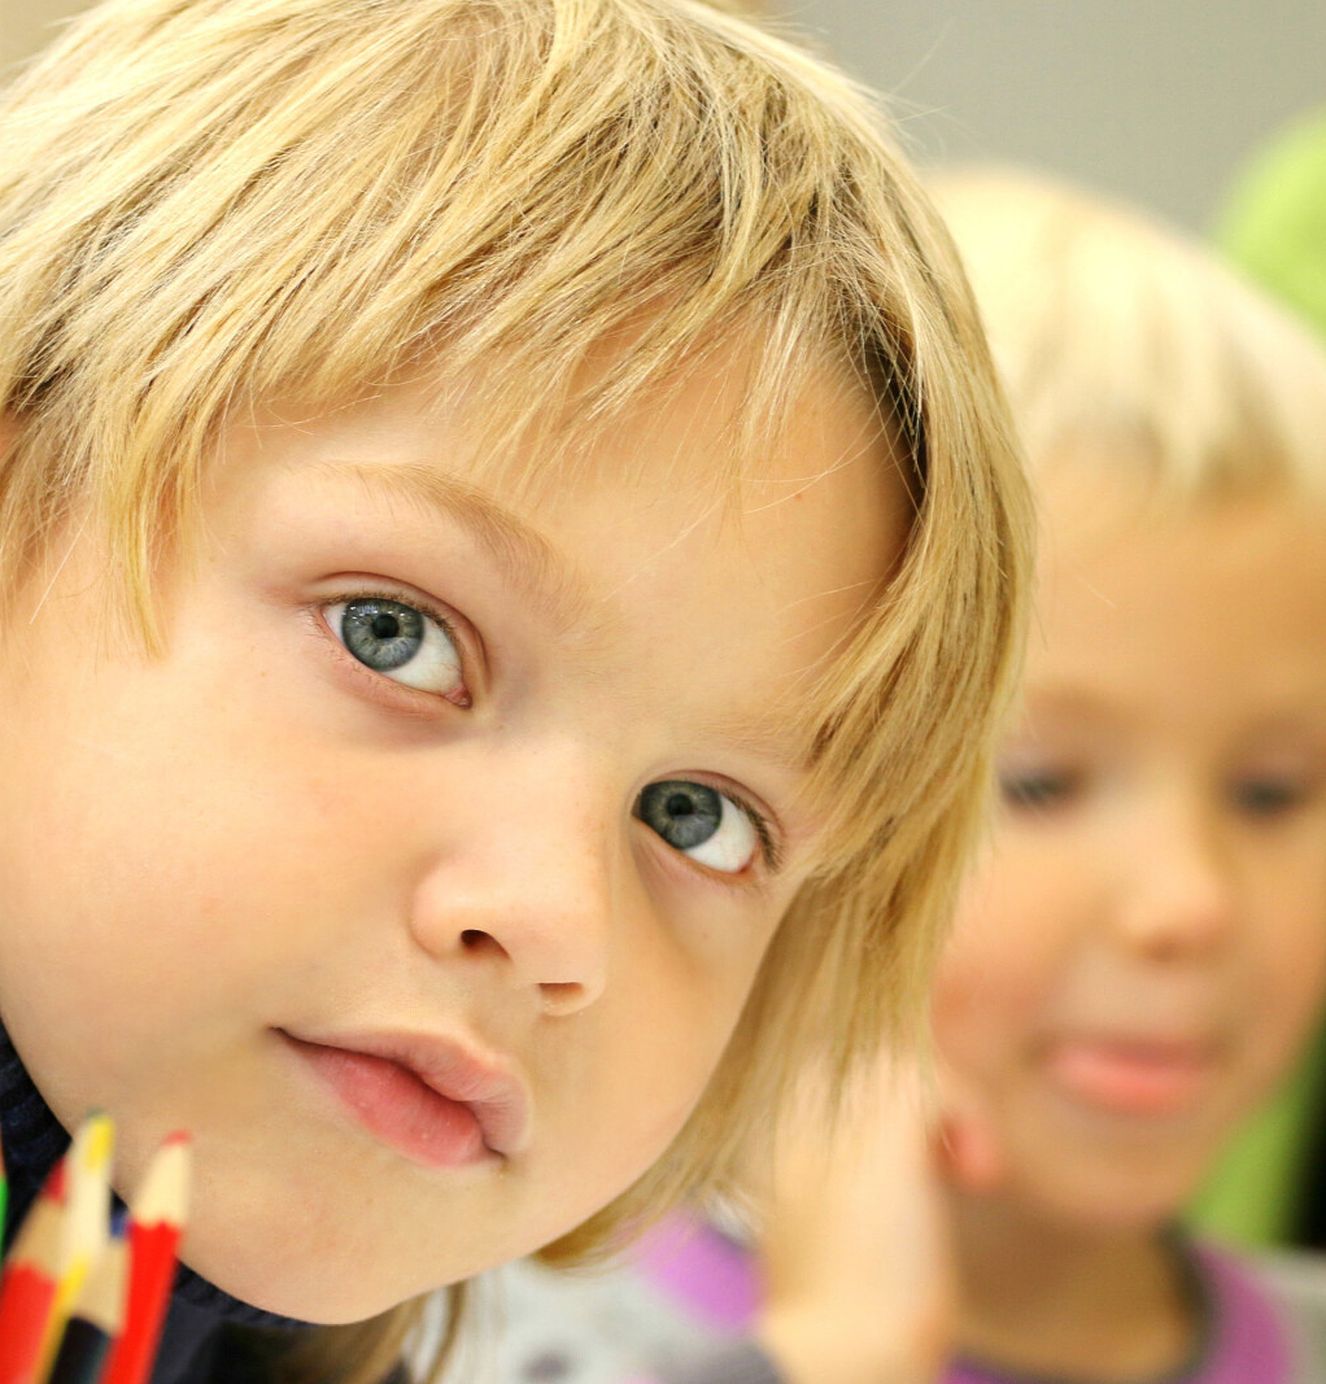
(293,1279)
(319,1300)
(1112,1201)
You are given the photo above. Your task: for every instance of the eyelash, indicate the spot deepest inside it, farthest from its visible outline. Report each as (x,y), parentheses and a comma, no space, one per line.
(769,848)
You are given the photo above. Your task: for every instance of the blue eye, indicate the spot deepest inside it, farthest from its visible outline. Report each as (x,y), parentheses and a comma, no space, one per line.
(701,823)
(399,641)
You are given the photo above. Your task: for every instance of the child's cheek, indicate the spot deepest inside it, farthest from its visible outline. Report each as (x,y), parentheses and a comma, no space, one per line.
(990,991)
(964,1013)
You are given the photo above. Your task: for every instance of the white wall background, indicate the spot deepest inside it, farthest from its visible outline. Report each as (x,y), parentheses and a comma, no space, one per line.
(1157,99)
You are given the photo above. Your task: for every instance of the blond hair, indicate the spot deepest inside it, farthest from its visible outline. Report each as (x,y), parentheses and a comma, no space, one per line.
(1121,340)
(205,204)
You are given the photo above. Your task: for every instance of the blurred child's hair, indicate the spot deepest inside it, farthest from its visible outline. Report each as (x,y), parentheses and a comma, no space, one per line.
(206,205)
(1121,342)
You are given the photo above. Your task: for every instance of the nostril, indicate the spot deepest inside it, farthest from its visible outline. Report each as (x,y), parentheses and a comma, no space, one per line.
(559,996)
(474,939)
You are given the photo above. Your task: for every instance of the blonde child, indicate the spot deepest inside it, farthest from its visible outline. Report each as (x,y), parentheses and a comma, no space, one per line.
(1142,950)
(511,555)
(1159,878)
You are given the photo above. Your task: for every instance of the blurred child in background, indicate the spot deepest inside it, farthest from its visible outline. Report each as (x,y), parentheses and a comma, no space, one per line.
(1142,950)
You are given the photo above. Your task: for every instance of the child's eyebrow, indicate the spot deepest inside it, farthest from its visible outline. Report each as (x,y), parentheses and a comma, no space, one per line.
(542,573)
(770,737)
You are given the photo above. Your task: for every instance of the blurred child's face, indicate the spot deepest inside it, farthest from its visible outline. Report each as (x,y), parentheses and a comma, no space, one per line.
(1143,951)
(499,791)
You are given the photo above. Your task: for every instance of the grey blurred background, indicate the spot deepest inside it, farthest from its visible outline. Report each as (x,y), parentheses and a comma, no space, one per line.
(1158,100)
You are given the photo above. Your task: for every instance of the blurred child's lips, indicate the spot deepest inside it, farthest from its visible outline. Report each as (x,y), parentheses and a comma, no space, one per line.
(433,1099)
(1131,1076)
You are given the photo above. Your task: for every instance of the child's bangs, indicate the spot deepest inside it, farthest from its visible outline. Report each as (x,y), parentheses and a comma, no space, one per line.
(1124,347)
(325,199)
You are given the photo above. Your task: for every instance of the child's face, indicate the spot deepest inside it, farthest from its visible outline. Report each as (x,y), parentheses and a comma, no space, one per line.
(1143,950)
(553,839)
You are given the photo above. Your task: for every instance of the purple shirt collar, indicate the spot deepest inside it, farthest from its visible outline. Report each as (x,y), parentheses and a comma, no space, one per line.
(1243,1340)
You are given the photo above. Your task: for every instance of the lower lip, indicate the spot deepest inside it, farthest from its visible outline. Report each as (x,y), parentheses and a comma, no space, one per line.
(1131,1078)
(392,1104)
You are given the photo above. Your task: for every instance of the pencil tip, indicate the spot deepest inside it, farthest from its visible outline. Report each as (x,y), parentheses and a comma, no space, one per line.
(163,1192)
(97,1138)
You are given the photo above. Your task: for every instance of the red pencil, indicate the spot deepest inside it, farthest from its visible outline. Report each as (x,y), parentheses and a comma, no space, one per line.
(27,1290)
(155,1224)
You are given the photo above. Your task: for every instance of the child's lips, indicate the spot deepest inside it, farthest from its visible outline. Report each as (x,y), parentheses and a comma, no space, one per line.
(432,1099)
(1131,1076)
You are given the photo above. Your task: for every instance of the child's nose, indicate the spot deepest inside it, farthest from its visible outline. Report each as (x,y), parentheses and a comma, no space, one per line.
(1179,898)
(524,888)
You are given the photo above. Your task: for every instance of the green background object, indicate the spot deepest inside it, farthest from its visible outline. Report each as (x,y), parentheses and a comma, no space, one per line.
(1274,229)
(1274,225)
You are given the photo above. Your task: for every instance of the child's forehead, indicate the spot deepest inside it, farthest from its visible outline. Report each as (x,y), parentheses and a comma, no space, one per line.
(691,428)
(1194,612)
(1121,535)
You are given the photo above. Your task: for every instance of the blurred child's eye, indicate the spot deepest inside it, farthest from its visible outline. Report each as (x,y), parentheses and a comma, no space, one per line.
(1267,797)
(401,642)
(1037,789)
(701,823)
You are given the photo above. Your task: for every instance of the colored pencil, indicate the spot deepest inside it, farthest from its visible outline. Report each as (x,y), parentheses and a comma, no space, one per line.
(156,1221)
(27,1290)
(4,1196)
(86,1224)
(96,1319)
